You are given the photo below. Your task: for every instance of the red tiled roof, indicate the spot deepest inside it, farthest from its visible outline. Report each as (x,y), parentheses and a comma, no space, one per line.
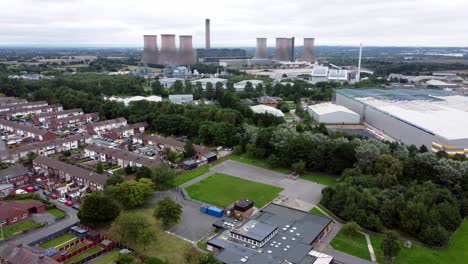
(22,254)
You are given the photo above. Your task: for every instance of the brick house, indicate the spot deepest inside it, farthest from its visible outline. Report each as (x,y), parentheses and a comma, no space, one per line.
(22,130)
(45,117)
(15,212)
(18,176)
(99,127)
(127,131)
(267,100)
(120,157)
(71,121)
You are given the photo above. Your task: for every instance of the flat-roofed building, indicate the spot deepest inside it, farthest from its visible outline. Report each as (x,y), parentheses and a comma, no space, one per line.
(240,86)
(328,113)
(213,81)
(181,98)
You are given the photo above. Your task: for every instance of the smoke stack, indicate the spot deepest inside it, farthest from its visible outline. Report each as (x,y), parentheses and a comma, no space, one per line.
(186,54)
(150,50)
(292,49)
(168,54)
(207,34)
(358,75)
(282,52)
(261,50)
(308,53)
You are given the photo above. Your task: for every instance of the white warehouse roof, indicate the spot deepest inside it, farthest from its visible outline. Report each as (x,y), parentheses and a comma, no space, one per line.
(329,113)
(320,71)
(264,109)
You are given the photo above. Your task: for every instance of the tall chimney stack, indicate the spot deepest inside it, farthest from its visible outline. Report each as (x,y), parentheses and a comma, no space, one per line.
(207,33)
(261,50)
(293,55)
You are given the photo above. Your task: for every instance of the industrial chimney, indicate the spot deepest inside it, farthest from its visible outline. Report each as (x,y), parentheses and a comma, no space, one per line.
(186,54)
(308,53)
(207,34)
(150,50)
(292,56)
(261,50)
(168,54)
(282,50)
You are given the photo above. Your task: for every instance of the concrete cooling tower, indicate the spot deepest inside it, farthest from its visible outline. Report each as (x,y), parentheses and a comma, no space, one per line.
(150,50)
(308,53)
(186,54)
(168,53)
(283,49)
(261,50)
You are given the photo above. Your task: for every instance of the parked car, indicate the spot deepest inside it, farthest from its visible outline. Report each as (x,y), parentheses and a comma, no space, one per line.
(69,203)
(45,192)
(30,189)
(36,188)
(76,206)
(62,200)
(20,191)
(53,196)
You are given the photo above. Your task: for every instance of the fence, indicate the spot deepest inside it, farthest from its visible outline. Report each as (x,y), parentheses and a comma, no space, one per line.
(52,236)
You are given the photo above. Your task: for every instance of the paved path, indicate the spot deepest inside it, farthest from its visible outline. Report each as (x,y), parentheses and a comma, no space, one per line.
(369,246)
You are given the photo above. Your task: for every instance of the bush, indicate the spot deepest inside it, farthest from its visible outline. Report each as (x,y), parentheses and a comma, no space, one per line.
(390,246)
(26,196)
(351,229)
(434,235)
(298,167)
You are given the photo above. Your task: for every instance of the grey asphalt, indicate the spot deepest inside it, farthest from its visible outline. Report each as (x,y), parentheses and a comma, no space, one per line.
(193,225)
(69,220)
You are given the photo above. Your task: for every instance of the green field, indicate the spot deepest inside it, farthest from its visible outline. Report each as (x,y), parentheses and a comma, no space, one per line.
(455,253)
(111,257)
(316,211)
(84,255)
(354,245)
(67,237)
(324,179)
(15,229)
(59,214)
(188,176)
(258,162)
(222,190)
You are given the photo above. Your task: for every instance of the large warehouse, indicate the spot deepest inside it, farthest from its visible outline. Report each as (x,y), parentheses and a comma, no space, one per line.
(435,118)
(328,113)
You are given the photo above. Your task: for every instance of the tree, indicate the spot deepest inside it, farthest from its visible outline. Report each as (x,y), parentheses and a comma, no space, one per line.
(168,212)
(127,259)
(146,238)
(131,226)
(434,235)
(31,156)
(99,167)
(351,228)
(129,170)
(97,208)
(132,194)
(298,167)
(163,177)
(143,172)
(188,150)
(208,259)
(192,255)
(178,87)
(114,180)
(390,246)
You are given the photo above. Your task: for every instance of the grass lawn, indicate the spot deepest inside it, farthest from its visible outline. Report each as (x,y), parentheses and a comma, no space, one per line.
(222,190)
(111,257)
(316,211)
(355,245)
(11,230)
(77,247)
(59,214)
(455,252)
(67,237)
(188,176)
(84,255)
(164,247)
(258,162)
(324,179)
(288,116)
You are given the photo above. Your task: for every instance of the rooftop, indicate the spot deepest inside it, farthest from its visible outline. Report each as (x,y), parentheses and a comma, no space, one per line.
(326,108)
(125,155)
(435,111)
(265,109)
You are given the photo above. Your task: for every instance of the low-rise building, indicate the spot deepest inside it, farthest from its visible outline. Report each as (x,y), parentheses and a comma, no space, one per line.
(119,157)
(8,100)
(64,171)
(213,81)
(328,113)
(13,253)
(267,100)
(17,175)
(169,82)
(240,86)
(127,131)
(99,127)
(24,112)
(16,105)
(23,130)
(181,98)
(18,211)
(265,109)
(72,121)
(45,117)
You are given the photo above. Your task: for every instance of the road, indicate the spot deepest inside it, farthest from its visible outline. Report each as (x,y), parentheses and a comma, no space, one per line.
(70,219)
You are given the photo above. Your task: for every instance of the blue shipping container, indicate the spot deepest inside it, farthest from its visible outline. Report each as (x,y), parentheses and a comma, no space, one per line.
(214,211)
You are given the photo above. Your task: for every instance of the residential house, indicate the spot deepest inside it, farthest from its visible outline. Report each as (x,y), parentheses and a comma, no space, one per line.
(31,111)
(99,127)
(17,175)
(119,157)
(72,121)
(15,105)
(267,100)
(18,211)
(45,117)
(23,130)
(81,177)
(13,253)
(127,131)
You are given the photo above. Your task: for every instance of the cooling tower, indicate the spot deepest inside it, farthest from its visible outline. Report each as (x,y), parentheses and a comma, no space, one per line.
(150,50)
(292,57)
(282,51)
(186,54)
(261,50)
(207,34)
(168,54)
(308,53)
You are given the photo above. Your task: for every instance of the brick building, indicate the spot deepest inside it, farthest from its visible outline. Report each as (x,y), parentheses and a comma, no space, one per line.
(43,118)
(26,131)
(18,211)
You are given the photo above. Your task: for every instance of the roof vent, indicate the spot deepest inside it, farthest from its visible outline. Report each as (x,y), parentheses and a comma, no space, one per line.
(269,251)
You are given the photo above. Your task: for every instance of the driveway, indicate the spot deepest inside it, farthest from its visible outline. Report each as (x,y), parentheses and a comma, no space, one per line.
(193,225)
(300,194)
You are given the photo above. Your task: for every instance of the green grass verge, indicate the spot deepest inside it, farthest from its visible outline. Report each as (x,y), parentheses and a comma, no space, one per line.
(111,257)
(316,211)
(188,176)
(15,229)
(455,252)
(258,162)
(222,190)
(354,245)
(324,179)
(84,255)
(58,241)
(59,214)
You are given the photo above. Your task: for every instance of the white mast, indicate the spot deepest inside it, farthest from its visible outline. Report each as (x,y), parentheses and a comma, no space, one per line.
(358,75)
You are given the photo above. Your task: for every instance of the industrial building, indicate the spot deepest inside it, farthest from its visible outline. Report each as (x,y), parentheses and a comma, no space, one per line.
(213,56)
(328,113)
(265,109)
(213,81)
(240,86)
(261,49)
(276,234)
(308,52)
(434,118)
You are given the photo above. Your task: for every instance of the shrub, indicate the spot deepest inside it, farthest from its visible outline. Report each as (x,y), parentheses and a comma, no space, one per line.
(434,235)
(351,229)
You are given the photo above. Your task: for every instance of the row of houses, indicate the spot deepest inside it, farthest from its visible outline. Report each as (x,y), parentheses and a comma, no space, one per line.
(8,100)
(23,112)
(67,172)
(73,121)
(127,131)
(23,130)
(8,106)
(45,148)
(119,157)
(103,126)
(42,118)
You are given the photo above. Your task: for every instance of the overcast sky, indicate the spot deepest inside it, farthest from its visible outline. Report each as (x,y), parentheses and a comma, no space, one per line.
(235,22)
